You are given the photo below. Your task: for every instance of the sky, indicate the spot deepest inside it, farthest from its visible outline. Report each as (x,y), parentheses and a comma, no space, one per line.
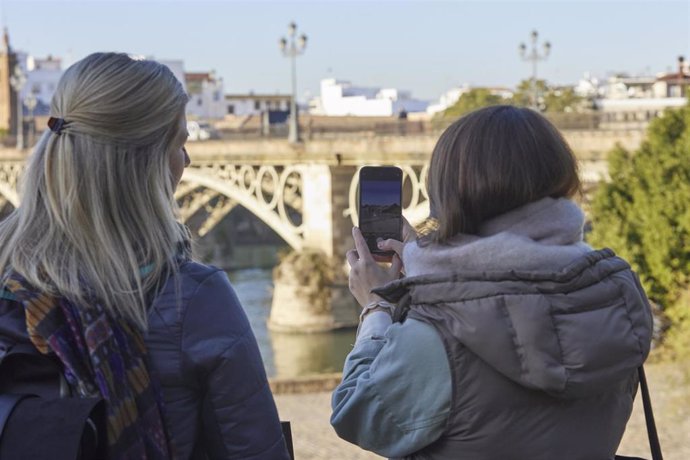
(425,47)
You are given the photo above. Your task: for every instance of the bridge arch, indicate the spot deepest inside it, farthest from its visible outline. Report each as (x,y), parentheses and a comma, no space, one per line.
(273,212)
(9,194)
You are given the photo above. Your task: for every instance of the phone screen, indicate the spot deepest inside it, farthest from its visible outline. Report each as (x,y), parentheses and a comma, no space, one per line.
(380,205)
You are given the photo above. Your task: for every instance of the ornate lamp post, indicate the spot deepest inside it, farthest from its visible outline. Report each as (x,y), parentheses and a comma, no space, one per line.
(291,48)
(30,102)
(534,56)
(18,80)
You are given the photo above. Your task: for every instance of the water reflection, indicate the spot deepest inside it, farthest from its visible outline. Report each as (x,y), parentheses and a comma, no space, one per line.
(287,355)
(303,354)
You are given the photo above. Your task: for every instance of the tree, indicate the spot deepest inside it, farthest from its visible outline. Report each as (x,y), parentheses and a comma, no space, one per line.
(562,100)
(643,213)
(523,93)
(549,99)
(471,100)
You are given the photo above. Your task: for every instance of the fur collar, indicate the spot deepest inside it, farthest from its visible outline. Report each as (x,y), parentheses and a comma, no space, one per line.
(544,235)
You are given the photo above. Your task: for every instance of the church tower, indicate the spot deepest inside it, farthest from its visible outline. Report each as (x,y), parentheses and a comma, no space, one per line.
(8,98)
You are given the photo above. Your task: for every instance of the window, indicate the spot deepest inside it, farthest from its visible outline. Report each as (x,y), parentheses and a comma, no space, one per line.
(231,109)
(257,105)
(199,102)
(216,96)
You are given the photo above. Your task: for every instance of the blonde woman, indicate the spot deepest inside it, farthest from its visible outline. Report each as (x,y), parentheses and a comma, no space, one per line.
(97,275)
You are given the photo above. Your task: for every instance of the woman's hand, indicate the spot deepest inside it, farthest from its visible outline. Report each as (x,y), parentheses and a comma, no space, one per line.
(365,273)
(396,246)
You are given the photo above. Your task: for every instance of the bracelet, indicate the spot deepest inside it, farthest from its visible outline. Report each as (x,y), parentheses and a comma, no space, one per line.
(376,304)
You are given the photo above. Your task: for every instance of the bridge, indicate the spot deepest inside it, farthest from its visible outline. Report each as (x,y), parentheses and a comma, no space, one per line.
(307,194)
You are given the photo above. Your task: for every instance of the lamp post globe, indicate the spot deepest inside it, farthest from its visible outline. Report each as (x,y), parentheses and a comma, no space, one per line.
(534,57)
(30,102)
(292,47)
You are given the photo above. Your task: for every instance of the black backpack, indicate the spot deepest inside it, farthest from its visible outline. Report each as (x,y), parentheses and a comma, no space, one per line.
(39,419)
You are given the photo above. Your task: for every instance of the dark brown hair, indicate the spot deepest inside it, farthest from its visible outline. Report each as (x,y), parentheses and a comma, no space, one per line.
(493,160)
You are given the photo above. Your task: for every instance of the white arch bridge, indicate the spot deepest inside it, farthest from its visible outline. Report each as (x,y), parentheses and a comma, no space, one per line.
(309,202)
(307,193)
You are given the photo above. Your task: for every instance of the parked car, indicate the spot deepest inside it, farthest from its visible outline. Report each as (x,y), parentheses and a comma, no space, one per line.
(201,131)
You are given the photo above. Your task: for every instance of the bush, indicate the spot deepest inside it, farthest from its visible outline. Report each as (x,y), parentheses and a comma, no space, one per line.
(677,338)
(643,213)
(473,99)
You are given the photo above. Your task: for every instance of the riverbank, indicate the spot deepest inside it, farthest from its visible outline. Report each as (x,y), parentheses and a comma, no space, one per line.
(305,402)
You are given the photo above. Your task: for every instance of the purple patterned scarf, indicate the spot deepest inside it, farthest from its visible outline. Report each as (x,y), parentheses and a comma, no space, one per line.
(105,356)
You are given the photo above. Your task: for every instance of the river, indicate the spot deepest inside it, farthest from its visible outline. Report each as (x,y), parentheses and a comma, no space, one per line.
(287,354)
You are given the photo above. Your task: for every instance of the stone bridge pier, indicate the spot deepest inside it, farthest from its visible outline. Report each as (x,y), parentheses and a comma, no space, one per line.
(310,286)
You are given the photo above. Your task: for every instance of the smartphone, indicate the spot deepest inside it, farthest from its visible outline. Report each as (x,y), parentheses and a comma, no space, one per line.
(380,205)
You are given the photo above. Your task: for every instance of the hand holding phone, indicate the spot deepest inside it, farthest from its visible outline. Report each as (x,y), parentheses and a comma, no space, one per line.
(365,273)
(380,206)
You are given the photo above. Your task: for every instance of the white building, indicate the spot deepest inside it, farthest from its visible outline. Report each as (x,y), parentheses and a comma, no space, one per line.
(206,97)
(256,104)
(623,87)
(176,66)
(341,98)
(42,77)
(447,99)
(588,87)
(634,101)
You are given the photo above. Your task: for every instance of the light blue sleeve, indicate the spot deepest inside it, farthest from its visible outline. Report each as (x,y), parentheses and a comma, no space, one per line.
(395,395)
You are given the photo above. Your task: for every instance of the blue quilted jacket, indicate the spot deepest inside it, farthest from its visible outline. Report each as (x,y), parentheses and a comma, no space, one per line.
(218,402)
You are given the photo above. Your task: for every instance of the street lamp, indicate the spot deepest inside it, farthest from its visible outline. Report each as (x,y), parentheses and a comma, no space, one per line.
(291,48)
(534,57)
(17,80)
(30,102)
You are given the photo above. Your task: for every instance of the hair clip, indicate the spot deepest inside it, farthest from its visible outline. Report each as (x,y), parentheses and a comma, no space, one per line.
(56,124)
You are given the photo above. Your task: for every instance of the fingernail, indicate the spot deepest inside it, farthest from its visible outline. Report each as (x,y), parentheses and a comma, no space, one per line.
(379,243)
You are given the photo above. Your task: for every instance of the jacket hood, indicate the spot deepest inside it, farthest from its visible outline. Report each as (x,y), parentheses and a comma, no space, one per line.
(573,333)
(533,301)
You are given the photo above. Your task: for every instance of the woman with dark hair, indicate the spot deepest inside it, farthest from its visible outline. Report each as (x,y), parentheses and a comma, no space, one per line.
(509,337)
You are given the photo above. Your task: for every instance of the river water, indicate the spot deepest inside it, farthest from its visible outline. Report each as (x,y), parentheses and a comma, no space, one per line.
(287,354)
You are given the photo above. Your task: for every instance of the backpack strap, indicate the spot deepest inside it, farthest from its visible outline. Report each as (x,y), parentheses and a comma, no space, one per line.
(7,404)
(654,444)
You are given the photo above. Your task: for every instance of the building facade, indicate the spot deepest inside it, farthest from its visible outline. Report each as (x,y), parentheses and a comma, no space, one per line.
(42,77)
(342,98)
(256,104)
(634,101)
(206,97)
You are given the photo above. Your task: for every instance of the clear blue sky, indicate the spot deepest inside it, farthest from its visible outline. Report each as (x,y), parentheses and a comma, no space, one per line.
(423,46)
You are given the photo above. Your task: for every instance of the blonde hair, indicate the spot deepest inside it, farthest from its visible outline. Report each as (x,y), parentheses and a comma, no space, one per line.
(97,202)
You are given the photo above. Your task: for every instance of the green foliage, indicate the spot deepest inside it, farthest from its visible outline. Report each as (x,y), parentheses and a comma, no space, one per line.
(523,93)
(643,213)
(549,99)
(472,100)
(554,100)
(677,339)
(562,100)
